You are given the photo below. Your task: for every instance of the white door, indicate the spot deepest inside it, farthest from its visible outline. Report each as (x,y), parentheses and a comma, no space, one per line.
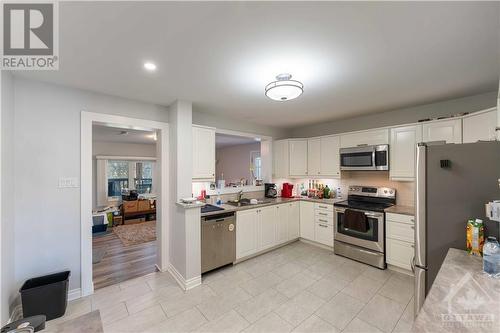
(314,157)
(307,220)
(298,157)
(293,220)
(480,126)
(282,223)
(443,130)
(246,233)
(330,158)
(280,159)
(203,153)
(365,138)
(403,151)
(267,227)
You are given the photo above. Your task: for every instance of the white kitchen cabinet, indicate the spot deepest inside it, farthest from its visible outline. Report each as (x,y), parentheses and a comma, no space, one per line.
(314,157)
(267,218)
(307,220)
(203,153)
(293,220)
(330,158)
(365,138)
(298,157)
(280,159)
(282,223)
(399,253)
(400,240)
(324,234)
(403,151)
(246,233)
(449,130)
(480,126)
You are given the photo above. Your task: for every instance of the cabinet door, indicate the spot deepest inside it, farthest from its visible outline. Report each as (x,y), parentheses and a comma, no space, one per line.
(203,153)
(324,233)
(307,220)
(280,159)
(399,253)
(267,227)
(246,233)
(443,130)
(313,157)
(403,151)
(330,158)
(298,157)
(282,223)
(480,127)
(365,138)
(293,220)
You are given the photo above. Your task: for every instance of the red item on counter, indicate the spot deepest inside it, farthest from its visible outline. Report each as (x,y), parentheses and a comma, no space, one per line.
(286,192)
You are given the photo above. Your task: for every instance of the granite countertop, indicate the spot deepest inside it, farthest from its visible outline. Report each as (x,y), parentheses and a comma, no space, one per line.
(270,202)
(400,209)
(462,298)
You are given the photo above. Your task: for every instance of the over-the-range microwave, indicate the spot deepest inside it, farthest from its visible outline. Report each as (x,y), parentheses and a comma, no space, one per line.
(374,158)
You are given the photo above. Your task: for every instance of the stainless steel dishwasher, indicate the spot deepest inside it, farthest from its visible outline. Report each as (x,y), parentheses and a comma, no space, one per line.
(218,241)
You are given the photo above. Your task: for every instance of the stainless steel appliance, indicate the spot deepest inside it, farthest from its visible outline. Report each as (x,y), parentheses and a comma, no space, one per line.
(375,158)
(270,190)
(366,244)
(454,181)
(218,241)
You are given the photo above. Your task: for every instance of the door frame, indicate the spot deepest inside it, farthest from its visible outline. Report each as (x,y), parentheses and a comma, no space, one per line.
(162,152)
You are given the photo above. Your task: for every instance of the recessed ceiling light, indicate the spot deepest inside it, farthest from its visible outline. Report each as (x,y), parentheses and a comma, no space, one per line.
(150,66)
(284,89)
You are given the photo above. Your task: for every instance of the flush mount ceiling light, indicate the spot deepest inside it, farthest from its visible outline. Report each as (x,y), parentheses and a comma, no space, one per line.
(284,89)
(149,66)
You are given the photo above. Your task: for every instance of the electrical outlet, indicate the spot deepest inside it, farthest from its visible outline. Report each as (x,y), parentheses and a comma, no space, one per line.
(68,182)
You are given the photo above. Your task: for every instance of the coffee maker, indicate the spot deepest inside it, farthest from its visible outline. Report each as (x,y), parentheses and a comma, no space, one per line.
(270,190)
(286,192)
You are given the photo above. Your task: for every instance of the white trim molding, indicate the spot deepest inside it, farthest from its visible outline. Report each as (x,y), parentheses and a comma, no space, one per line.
(124,158)
(74,294)
(183,283)
(162,148)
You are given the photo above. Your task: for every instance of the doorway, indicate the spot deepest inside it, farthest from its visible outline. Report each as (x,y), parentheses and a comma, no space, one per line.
(112,181)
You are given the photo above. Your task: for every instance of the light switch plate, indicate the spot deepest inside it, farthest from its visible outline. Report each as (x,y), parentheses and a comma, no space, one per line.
(68,182)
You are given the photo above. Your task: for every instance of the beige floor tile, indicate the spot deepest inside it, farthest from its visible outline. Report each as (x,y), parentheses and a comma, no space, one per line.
(377,274)
(138,322)
(152,298)
(262,283)
(321,269)
(409,314)
(399,288)
(230,322)
(363,288)
(74,309)
(259,306)
(102,300)
(382,313)
(289,269)
(296,284)
(327,287)
(179,303)
(349,270)
(186,321)
(228,281)
(222,303)
(114,313)
(340,310)
(402,327)
(160,280)
(269,324)
(315,324)
(257,269)
(359,326)
(299,308)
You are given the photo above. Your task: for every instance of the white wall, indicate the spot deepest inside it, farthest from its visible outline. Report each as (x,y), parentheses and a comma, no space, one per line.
(8,288)
(47,146)
(235,161)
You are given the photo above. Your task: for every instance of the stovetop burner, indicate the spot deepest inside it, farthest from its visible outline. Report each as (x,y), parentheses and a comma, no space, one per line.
(375,199)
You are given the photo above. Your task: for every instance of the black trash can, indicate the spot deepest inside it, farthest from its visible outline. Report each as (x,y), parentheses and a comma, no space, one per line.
(45,295)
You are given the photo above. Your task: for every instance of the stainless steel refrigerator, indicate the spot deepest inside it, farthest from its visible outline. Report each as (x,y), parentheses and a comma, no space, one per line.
(454,182)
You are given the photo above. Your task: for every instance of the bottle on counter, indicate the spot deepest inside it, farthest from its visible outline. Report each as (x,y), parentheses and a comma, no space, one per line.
(491,257)
(326,192)
(475,237)
(339,193)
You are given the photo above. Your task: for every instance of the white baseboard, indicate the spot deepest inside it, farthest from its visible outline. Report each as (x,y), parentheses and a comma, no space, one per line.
(183,283)
(74,294)
(323,246)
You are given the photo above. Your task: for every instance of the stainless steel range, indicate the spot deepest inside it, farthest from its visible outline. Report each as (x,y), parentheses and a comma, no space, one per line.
(360,224)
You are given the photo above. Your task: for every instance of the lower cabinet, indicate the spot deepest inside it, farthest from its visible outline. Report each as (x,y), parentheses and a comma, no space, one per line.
(400,240)
(307,220)
(399,253)
(281,223)
(246,233)
(267,221)
(324,233)
(293,220)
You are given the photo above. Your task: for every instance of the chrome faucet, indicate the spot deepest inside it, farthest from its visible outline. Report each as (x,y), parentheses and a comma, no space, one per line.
(239,196)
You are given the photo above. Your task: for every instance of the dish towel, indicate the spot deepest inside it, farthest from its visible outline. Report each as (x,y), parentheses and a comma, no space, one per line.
(355,220)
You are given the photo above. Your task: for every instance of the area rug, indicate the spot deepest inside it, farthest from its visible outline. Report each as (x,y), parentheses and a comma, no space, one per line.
(133,234)
(97,255)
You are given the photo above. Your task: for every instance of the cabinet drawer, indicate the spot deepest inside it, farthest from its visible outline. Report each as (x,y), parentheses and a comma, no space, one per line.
(401,231)
(408,219)
(324,233)
(399,253)
(321,206)
(323,219)
(323,213)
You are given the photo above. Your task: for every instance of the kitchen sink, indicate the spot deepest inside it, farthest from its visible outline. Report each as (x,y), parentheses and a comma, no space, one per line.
(246,202)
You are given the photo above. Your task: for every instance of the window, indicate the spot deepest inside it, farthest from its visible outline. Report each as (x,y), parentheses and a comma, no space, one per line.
(117,174)
(256,164)
(143,179)
(123,175)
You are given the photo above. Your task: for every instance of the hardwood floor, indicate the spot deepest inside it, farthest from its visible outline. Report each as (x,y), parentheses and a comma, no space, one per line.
(121,263)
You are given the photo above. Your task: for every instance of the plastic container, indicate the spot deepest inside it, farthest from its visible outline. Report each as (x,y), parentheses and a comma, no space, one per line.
(491,257)
(45,295)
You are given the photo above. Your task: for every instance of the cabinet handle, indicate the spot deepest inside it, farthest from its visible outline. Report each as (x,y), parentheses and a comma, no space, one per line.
(322,221)
(323,207)
(323,226)
(324,214)
(413,227)
(412,220)
(362,144)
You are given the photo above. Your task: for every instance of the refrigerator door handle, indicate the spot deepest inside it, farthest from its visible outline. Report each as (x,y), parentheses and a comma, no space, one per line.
(420,213)
(420,274)
(412,265)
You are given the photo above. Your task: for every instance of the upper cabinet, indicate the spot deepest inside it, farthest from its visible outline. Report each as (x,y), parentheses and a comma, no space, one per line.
(330,159)
(314,157)
(365,138)
(203,153)
(280,159)
(480,126)
(449,130)
(298,157)
(403,152)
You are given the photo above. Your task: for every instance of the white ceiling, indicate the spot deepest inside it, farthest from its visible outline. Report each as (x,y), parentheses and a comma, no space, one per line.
(111,134)
(353,57)
(226,140)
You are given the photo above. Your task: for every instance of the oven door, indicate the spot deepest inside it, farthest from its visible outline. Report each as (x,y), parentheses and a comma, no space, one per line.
(372,239)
